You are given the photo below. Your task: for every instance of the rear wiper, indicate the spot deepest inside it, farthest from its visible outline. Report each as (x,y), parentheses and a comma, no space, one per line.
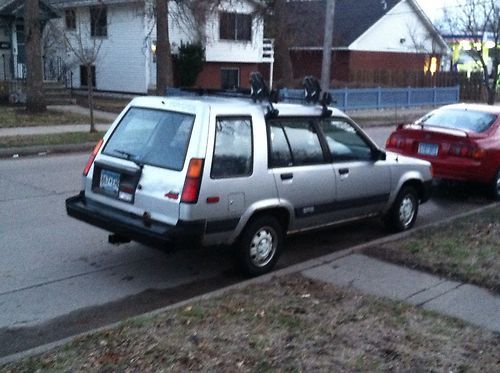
(129,157)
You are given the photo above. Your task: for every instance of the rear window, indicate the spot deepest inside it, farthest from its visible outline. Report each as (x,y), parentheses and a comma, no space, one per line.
(154,137)
(465,120)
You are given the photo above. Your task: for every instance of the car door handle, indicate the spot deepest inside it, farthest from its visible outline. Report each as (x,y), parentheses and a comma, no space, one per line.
(343,171)
(286,176)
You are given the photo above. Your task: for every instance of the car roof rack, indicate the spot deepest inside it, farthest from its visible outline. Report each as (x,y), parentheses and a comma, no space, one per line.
(313,95)
(260,92)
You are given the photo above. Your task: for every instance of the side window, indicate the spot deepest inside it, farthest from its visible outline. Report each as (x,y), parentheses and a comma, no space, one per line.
(233,155)
(344,143)
(304,142)
(279,154)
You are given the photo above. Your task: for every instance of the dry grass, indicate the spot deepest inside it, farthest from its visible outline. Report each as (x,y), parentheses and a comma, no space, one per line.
(17,117)
(291,324)
(50,139)
(466,249)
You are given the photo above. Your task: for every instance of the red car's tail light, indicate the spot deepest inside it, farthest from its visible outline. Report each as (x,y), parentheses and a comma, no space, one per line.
(395,141)
(191,189)
(465,150)
(92,156)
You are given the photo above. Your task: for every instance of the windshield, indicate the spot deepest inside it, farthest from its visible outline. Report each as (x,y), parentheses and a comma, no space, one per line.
(153,137)
(465,120)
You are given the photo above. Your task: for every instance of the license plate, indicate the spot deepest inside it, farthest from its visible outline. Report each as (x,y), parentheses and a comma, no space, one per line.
(428,149)
(110,182)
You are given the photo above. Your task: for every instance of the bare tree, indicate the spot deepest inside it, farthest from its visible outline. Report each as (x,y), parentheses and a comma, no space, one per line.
(35,101)
(164,73)
(479,22)
(84,43)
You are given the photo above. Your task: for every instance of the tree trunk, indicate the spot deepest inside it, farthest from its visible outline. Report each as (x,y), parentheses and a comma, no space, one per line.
(164,74)
(90,88)
(35,101)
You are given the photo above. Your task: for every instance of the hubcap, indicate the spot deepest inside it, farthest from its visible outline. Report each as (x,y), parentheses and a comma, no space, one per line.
(406,210)
(263,246)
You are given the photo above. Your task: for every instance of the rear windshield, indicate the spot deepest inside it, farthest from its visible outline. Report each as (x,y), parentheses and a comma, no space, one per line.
(466,120)
(154,137)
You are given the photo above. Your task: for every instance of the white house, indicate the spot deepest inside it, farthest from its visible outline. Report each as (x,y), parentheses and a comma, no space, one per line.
(123,33)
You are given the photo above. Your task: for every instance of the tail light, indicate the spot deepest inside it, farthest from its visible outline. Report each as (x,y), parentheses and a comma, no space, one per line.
(395,141)
(92,156)
(191,189)
(465,150)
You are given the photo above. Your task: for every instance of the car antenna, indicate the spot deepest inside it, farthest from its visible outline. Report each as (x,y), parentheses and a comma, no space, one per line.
(312,91)
(260,92)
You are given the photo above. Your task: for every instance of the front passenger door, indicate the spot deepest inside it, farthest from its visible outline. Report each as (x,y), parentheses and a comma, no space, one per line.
(362,182)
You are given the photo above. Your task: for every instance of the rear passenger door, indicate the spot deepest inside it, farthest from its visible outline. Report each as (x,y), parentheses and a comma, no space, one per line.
(303,175)
(363,182)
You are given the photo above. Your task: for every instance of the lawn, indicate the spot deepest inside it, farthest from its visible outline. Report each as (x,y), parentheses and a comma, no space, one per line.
(289,324)
(466,249)
(17,117)
(50,139)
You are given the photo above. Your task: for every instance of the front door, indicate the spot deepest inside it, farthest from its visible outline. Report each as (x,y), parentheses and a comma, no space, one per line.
(363,182)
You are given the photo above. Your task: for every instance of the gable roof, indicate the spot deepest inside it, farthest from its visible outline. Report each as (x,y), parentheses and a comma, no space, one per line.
(79,3)
(351,20)
(15,8)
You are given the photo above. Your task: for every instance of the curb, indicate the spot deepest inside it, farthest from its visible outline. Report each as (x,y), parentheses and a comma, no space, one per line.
(296,268)
(42,150)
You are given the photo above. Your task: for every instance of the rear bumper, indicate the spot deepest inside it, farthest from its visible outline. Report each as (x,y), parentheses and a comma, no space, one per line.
(150,232)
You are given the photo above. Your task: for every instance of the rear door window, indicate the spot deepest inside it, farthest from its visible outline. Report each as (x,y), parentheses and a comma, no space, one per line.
(233,156)
(301,139)
(153,137)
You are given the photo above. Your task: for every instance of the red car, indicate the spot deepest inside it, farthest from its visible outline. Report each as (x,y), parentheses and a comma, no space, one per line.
(462,142)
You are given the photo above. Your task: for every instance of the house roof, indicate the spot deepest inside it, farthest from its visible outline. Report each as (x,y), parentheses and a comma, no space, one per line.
(78,3)
(15,8)
(351,20)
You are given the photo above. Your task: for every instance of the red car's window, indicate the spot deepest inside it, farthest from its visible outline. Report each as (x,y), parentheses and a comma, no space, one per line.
(466,120)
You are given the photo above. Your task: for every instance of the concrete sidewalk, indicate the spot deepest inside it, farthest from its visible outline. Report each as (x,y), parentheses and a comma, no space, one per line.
(467,302)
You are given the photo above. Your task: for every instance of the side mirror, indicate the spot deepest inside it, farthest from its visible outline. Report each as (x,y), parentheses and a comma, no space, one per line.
(379,155)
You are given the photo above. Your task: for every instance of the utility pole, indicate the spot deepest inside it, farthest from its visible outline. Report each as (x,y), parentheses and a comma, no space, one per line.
(327,46)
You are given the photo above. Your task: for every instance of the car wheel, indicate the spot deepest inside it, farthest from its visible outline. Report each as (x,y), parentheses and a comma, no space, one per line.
(260,245)
(403,212)
(495,186)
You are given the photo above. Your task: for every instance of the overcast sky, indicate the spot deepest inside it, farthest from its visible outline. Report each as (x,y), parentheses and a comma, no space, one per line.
(434,8)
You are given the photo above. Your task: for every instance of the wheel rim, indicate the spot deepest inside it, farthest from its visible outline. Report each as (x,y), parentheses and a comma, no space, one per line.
(406,210)
(263,246)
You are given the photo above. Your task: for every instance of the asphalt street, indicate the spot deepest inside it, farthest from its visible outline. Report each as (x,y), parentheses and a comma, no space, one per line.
(59,276)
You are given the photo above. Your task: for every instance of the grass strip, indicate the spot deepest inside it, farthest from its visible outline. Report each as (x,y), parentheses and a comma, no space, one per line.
(11,117)
(50,139)
(466,249)
(289,324)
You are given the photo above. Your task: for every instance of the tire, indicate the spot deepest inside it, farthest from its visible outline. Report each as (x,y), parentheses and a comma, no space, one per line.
(404,210)
(259,245)
(495,186)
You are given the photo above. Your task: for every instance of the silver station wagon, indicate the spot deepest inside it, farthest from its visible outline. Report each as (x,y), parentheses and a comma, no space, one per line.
(211,170)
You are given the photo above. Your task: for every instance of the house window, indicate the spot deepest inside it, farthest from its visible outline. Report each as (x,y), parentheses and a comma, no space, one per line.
(98,21)
(83,76)
(70,18)
(230,78)
(235,26)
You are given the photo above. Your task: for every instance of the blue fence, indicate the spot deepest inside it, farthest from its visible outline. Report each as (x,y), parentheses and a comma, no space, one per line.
(379,98)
